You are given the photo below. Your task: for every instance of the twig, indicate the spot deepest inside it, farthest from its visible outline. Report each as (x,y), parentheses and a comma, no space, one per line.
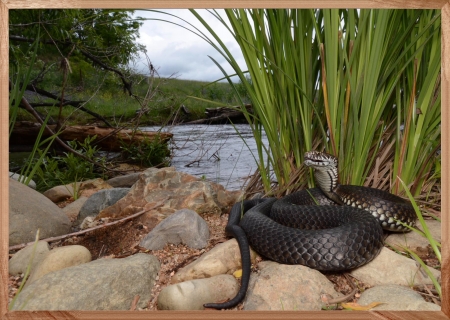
(134,302)
(52,239)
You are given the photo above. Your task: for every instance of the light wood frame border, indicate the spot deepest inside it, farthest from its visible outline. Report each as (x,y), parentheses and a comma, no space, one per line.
(5,5)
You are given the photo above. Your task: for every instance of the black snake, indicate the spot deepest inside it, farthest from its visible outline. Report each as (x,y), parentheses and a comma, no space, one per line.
(339,227)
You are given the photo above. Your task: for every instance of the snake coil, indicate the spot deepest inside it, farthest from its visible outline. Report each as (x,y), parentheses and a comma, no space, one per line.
(331,228)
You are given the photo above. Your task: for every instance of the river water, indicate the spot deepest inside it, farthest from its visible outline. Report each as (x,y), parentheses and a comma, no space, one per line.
(215,152)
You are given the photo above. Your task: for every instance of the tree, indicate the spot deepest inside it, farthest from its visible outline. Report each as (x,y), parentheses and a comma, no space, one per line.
(93,38)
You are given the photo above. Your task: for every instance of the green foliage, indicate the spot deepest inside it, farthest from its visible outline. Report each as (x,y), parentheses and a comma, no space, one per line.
(58,170)
(147,153)
(108,34)
(344,81)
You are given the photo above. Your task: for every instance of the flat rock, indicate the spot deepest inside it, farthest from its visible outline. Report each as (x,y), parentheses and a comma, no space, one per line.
(392,268)
(60,258)
(287,287)
(62,192)
(394,297)
(165,191)
(17,176)
(21,259)
(184,226)
(191,295)
(225,258)
(99,201)
(29,211)
(413,240)
(125,181)
(83,188)
(104,284)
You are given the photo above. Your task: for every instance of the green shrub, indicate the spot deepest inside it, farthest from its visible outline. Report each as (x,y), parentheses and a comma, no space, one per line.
(148,153)
(69,168)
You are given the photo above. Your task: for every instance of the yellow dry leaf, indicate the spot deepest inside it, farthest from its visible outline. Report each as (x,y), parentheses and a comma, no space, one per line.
(358,307)
(237,273)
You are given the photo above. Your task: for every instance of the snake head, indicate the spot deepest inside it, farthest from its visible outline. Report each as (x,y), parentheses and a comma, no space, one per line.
(320,160)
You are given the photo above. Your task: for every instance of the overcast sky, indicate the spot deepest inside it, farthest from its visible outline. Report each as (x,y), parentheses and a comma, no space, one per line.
(174,50)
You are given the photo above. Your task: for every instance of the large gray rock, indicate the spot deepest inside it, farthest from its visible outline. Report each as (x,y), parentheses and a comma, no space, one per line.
(99,201)
(184,226)
(191,295)
(20,260)
(394,297)
(105,284)
(29,211)
(287,287)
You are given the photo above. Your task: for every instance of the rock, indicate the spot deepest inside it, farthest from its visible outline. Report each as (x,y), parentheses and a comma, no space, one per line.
(413,240)
(60,258)
(17,176)
(391,268)
(104,284)
(125,181)
(89,222)
(29,211)
(89,187)
(191,295)
(61,193)
(287,287)
(100,200)
(19,262)
(83,188)
(173,190)
(184,226)
(224,258)
(73,209)
(396,297)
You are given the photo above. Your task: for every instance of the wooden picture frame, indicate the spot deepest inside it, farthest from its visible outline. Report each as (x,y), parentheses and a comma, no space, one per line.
(6,5)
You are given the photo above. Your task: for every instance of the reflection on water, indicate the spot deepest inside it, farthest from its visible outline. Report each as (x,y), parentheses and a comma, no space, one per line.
(214,152)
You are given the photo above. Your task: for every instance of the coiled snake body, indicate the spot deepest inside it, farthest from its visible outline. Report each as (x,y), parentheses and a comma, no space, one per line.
(331,228)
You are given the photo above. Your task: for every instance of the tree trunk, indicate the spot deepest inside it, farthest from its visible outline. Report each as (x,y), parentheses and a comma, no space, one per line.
(25,133)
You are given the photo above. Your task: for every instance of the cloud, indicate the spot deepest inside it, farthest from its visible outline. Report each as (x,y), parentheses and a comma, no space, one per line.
(174,50)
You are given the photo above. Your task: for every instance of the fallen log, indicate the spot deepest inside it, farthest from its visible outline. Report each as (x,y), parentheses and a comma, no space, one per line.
(108,139)
(223,114)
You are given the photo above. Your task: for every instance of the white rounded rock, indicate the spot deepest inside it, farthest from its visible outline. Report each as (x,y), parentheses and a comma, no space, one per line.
(191,295)
(224,258)
(60,258)
(20,260)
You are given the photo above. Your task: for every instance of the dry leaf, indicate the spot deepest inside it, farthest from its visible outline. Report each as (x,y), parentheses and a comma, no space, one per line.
(358,307)
(237,273)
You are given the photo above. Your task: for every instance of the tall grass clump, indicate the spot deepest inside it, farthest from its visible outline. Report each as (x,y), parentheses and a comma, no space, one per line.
(360,84)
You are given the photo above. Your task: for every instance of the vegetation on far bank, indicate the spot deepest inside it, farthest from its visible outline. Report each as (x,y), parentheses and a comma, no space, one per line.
(104,96)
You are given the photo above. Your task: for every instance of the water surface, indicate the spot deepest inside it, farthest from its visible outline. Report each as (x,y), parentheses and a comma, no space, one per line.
(214,152)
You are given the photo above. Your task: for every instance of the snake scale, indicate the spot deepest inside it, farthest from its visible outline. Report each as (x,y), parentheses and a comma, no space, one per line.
(331,228)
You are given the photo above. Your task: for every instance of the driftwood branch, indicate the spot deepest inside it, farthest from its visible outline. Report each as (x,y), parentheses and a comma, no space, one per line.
(52,239)
(75,104)
(26,105)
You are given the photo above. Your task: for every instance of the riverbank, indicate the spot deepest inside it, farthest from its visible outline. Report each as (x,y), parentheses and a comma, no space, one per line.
(154,271)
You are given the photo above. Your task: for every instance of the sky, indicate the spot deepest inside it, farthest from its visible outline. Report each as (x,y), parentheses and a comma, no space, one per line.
(179,53)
